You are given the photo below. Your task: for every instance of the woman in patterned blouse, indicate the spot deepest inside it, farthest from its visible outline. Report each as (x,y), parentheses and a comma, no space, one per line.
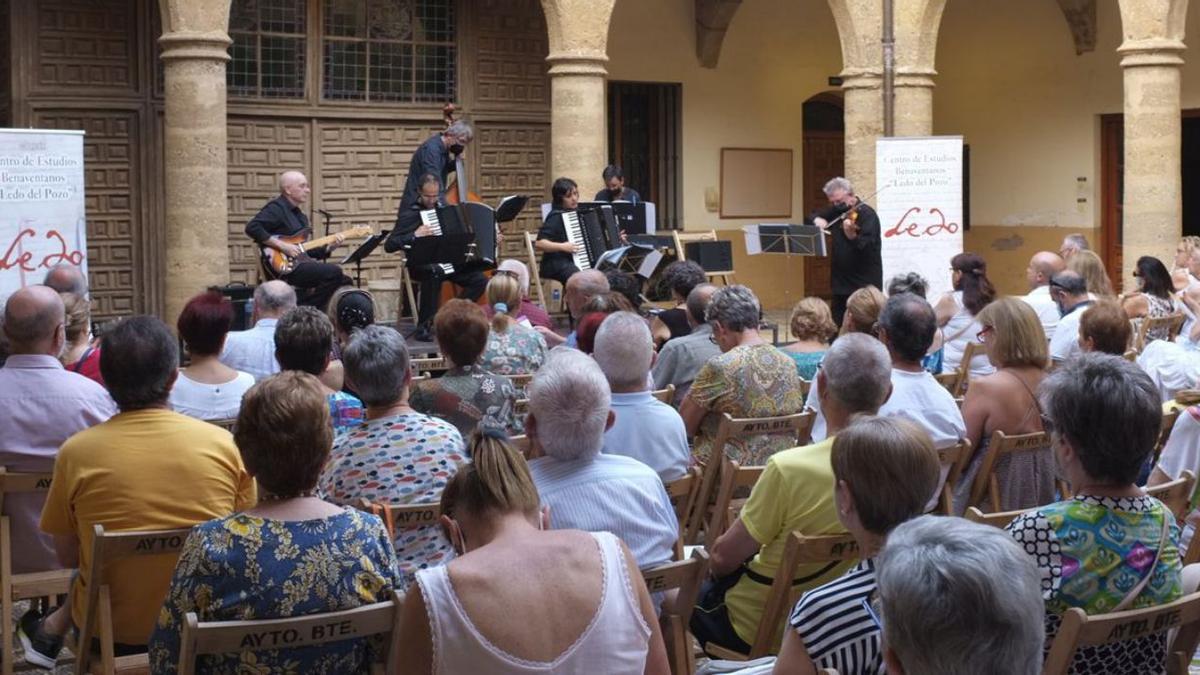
(398,456)
(1111,547)
(291,555)
(513,346)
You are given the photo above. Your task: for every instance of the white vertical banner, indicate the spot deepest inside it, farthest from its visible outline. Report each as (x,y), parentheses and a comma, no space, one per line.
(42,220)
(920,207)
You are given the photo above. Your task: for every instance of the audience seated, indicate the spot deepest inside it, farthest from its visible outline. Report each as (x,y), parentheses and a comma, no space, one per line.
(569,411)
(1111,547)
(594,312)
(522,597)
(812,325)
(751,378)
(350,309)
(1181,453)
(532,312)
(681,359)
(1070,293)
(514,347)
(1182,276)
(1042,266)
(1104,327)
(304,341)
(884,471)
(67,278)
(645,428)
(862,311)
(918,285)
(1072,244)
(680,277)
(290,555)
(795,492)
(956,312)
(43,405)
(581,287)
(1089,266)
(626,285)
(147,468)
(253,351)
(1154,297)
(81,354)
(398,456)
(466,395)
(957,597)
(1006,401)
(206,388)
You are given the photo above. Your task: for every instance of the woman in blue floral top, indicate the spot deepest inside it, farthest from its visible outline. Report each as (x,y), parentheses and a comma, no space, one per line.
(466,395)
(513,346)
(291,555)
(398,456)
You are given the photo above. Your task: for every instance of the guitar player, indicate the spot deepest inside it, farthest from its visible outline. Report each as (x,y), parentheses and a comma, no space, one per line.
(282,217)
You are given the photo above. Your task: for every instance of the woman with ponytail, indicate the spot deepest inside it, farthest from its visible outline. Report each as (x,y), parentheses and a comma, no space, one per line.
(578,598)
(956,312)
(514,347)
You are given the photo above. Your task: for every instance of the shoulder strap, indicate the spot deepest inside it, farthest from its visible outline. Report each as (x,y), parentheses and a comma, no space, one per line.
(1137,590)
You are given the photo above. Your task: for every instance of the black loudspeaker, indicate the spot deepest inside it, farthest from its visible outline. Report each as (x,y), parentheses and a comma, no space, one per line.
(240,295)
(712,256)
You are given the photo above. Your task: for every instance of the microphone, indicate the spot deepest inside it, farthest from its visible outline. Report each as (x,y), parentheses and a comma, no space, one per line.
(325,213)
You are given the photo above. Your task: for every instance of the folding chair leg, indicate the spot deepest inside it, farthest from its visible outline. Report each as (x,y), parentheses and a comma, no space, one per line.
(108,659)
(7,652)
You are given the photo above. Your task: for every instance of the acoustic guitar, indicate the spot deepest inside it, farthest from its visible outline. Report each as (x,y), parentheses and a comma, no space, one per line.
(281,264)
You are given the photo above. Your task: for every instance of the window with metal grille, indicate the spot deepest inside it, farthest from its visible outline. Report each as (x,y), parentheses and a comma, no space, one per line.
(389,50)
(267,54)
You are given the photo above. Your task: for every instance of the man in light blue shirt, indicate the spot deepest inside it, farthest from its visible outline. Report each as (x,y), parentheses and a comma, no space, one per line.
(253,351)
(645,429)
(680,359)
(569,402)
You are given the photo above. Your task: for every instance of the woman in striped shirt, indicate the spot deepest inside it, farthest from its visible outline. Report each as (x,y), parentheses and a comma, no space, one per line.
(884,471)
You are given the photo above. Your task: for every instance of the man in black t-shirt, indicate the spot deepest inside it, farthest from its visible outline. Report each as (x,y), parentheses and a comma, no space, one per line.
(614,187)
(435,156)
(855,261)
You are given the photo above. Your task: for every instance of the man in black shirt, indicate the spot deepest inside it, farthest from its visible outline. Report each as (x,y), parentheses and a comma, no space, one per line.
(615,190)
(408,228)
(436,157)
(856,260)
(282,217)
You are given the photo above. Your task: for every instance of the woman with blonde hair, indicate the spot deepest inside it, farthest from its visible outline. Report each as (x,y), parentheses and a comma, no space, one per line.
(81,353)
(1006,401)
(812,325)
(1089,266)
(580,596)
(514,347)
(862,311)
(1182,277)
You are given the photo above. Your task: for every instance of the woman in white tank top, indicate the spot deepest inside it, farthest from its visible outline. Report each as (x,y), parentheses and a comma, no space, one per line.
(956,312)
(522,599)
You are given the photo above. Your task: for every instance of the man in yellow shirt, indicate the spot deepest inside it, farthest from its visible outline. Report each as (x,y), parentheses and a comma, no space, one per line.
(795,492)
(147,468)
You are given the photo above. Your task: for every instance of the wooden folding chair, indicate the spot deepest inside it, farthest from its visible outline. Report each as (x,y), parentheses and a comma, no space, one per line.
(1171,322)
(735,479)
(1168,423)
(949,380)
(800,550)
(1175,494)
(687,576)
(1131,356)
(1192,555)
(520,381)
(797,425)
(229,637)
(956,456)
(535,276)
(684,238)
(433,364)
(986,483)
(521,443)
(999,519)
(1080,630)
(521,407)
(406,287)
(402,516)
(108,548)
(666,395)
(805,387)
(682,492)
(226,423)
(972,350)
(17,587)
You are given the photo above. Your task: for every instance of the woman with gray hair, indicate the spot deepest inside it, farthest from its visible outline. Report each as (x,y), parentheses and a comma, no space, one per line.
(945,610)
(398,456)
(1111,547)
(751,378)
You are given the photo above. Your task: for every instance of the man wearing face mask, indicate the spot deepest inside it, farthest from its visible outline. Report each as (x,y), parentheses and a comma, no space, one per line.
(855,260)
(614,187)
(434,156)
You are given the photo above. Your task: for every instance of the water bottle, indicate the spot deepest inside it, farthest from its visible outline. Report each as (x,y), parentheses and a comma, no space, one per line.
(556,297)
(249,321)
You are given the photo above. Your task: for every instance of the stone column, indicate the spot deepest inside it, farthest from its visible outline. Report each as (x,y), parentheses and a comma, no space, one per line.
(863,116)
(196,233)
(914,101)
(578,33)
(1153,187)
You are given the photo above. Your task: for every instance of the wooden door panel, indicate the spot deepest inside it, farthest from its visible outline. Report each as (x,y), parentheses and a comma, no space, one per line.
(824,158)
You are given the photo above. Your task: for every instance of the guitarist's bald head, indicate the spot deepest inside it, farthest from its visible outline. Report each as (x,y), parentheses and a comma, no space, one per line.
(289,179)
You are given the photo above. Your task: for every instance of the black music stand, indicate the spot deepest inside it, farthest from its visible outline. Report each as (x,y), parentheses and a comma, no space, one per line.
(364,249)
(786,239)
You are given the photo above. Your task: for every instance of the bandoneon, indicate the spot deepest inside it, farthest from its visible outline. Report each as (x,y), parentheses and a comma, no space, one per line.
(594,230)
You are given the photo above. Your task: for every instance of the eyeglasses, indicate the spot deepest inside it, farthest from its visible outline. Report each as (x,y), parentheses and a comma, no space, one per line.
(1048,425)
(983,334)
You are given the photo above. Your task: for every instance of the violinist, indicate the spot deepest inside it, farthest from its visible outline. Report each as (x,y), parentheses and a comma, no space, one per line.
(856,260)
(435,156)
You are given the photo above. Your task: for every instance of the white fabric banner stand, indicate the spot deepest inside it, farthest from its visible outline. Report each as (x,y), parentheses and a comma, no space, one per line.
(920,207)
(42,220)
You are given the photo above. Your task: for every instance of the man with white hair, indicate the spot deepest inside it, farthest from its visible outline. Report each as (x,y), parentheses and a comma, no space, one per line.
(530,310)
(645,429)
(1072,244)
(856,258)
(435,156)
(253,350)
(569,403)
(581,287)
(283,217)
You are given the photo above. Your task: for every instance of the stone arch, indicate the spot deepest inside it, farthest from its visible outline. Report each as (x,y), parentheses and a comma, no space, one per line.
(188,16)
(577,27)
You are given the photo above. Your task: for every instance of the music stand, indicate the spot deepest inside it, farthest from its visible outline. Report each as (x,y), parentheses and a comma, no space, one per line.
(785,239)
(362,252)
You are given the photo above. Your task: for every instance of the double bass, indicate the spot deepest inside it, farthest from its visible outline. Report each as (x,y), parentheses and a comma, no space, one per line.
(455,192)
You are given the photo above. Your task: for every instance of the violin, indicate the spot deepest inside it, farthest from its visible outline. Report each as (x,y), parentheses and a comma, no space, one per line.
(459,192)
